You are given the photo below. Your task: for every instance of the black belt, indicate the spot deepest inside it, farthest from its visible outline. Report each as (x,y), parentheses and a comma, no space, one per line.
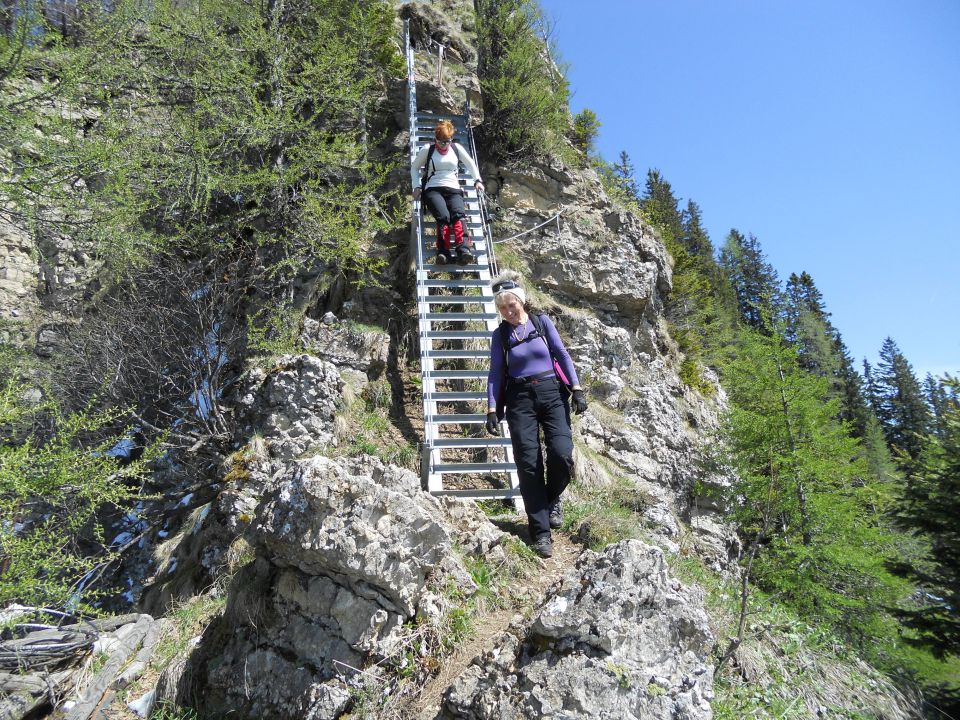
(533,378)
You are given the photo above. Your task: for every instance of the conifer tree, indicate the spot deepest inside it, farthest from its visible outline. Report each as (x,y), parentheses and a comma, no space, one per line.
(695,237)
(626,177)
(935,393)
(754,280)
(931,506)
(586,127)
(807,325)
(662,208)
(901,408)
(802,494)
(525,93)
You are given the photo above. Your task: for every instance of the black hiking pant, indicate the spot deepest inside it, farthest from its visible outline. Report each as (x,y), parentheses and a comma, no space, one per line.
(529,406)
(446,206)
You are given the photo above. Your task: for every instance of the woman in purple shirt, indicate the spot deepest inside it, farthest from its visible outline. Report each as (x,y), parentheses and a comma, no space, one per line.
(523,381)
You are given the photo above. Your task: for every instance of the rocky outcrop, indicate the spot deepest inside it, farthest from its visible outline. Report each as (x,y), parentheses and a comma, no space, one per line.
(360,354)
(446,24)
(292,405)
(348,553)
(618,639)
(19,274)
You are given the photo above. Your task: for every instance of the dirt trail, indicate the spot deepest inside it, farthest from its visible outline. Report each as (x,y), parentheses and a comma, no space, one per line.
(529,593)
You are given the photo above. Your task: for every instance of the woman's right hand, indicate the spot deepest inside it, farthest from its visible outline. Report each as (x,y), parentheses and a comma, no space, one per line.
(416,193)
(493,425)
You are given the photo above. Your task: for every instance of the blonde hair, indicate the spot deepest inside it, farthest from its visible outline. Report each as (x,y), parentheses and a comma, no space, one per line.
(529,306)
(444,130)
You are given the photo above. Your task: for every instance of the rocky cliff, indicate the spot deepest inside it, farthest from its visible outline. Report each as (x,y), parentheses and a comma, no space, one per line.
(342,589)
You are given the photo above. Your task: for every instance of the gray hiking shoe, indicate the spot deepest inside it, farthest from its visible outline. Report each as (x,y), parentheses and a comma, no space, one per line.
(543,546)
(556,514)
(441,259)
(466,257)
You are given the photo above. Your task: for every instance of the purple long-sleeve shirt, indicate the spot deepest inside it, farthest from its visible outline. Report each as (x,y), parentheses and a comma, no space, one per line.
(526,358)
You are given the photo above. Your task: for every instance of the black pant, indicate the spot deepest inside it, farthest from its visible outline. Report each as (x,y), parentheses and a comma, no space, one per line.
(529,406)
(446,206)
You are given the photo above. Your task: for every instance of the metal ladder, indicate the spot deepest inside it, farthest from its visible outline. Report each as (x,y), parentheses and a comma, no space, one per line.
(456,315)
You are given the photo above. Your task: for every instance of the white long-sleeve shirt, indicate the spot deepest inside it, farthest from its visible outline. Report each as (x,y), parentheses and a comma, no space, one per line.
(443,166)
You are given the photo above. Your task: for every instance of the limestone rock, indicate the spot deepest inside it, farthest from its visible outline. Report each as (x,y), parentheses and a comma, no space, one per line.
(292,406)
(360,354)
(618,639)
(348,551)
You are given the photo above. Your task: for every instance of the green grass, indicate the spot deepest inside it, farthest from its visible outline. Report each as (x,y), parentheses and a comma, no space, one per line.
(792,664)
(605,514)
(165,711)
(188,620)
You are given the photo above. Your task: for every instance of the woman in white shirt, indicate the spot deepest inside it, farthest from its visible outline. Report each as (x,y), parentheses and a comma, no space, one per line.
(442,194)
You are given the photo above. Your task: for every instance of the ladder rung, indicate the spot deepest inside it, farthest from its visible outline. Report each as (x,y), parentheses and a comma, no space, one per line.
(471,442)
(447,396)
(465,283)
(460,316)
(457,419)
(457,299)
(482,494)
(474,467)
(430,267)
(459,374)
(456,335)
(455,283)
(457,354)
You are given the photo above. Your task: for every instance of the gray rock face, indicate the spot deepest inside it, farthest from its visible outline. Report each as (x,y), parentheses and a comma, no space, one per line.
(292,406)
(18,274)
(359,354)
(447,23)
(347,553)
(619,639)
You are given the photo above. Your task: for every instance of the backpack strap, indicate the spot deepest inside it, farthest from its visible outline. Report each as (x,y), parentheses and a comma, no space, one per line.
(426,168)
(460,166)
(505,343)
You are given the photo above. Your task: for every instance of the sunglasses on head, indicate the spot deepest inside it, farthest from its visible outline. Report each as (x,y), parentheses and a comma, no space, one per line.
(505,285)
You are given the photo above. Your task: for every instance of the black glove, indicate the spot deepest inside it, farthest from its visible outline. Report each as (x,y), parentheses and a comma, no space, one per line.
(579,402)
(493,425)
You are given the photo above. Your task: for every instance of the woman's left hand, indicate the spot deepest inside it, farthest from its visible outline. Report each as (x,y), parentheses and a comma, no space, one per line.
(479,186)
(579,402)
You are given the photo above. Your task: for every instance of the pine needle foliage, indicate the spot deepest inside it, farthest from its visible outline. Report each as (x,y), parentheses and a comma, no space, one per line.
(525,91)
(57,477)
(204,128)
(805,497)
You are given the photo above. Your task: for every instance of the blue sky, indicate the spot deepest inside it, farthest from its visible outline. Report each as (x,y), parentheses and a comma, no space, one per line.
(830,129)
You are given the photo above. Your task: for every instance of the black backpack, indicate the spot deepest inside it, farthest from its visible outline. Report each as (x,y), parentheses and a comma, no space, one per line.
(426,165)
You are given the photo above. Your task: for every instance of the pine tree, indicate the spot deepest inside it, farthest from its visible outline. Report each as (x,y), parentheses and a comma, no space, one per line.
(586,127)
(626,178)
(901,409)
(754,280)
(817,525)
(695,237)
(931,506)
(662,208)
(935,393)
(807,325)
(525,94)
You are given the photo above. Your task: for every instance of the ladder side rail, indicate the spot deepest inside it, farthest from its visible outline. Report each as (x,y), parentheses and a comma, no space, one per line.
(416,238)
